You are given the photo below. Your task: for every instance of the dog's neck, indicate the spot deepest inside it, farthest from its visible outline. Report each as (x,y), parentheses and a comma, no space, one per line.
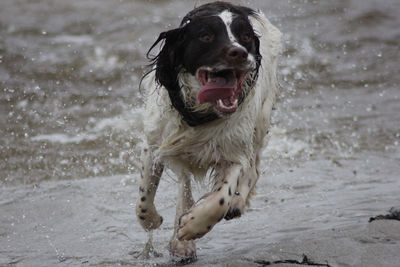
(191,118)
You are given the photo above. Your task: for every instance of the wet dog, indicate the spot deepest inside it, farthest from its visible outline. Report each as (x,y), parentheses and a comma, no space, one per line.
(209,99)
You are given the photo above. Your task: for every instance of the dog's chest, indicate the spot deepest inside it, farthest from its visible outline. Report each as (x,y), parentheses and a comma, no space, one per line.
(205,146)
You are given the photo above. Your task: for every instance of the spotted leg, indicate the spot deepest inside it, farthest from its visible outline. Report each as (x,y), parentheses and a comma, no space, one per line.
(182,251)
(146,212)
(246,184)
(249,177)
(212,207)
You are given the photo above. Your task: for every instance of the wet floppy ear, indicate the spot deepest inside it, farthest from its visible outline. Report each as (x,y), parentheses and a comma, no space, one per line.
(257,48)
(269,36)
(269,46)
(169,59)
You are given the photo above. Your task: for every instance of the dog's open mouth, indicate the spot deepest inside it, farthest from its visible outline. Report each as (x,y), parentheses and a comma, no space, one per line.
(221,88)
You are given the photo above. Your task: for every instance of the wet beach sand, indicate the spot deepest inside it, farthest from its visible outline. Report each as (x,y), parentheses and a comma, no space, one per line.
(70,132)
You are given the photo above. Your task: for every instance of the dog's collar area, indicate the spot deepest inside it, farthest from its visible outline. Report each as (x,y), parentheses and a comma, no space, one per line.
(191,118)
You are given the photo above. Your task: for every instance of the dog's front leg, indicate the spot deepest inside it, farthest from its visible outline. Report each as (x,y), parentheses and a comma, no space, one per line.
(182,251)
(212,207)
(246,184)
(146,212)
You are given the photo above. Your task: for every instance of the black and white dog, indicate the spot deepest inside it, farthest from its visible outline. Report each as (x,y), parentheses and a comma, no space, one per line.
(209,99)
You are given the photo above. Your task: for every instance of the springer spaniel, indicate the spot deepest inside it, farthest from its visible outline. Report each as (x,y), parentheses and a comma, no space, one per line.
(209,99)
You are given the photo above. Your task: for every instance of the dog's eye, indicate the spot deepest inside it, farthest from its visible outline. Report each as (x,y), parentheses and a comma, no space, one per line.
(246,38)
(206,37)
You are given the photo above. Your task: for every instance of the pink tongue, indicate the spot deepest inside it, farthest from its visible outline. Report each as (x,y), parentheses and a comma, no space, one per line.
(217,88)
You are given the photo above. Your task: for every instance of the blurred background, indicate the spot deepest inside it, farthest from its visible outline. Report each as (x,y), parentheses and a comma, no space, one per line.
(70,123)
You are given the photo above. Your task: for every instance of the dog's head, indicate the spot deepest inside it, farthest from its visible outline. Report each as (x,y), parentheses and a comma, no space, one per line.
(210,63)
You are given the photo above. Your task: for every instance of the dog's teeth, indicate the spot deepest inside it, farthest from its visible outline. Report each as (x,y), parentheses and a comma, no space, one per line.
(221,103)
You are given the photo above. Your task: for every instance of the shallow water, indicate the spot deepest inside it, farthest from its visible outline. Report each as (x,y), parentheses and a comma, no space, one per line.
(70,128)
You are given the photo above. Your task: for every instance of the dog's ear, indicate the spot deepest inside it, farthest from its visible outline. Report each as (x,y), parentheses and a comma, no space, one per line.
(169,60)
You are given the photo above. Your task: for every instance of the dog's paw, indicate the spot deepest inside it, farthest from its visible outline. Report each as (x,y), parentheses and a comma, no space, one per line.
(236,208)
(201,218)
(182,252)
(190,228)
(148,216)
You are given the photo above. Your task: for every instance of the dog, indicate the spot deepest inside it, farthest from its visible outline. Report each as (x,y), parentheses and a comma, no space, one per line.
(209,98)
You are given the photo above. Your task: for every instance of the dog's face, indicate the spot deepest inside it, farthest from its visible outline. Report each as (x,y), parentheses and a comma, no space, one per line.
(209,64)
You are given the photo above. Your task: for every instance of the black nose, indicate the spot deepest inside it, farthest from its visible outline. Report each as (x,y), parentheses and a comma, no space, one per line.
(237,55)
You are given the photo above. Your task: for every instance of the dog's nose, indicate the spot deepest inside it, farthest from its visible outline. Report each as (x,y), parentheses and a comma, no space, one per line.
(237,55)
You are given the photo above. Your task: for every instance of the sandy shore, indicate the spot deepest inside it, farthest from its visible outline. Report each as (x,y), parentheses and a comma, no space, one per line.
(365,244)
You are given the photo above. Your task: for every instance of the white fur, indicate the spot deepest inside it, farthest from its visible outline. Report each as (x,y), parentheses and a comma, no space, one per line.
(226,16)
